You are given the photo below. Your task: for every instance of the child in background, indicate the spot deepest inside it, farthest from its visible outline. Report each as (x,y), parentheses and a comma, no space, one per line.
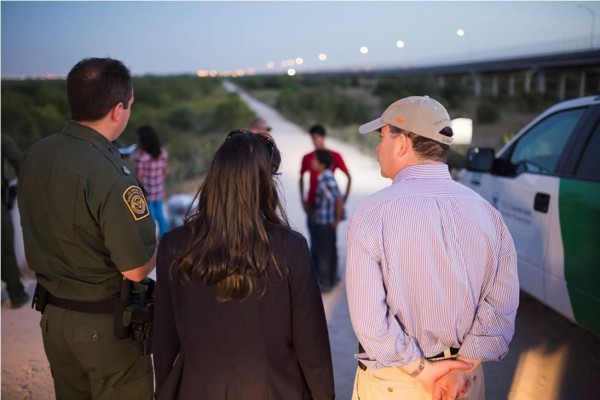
(151,169)
(329,205)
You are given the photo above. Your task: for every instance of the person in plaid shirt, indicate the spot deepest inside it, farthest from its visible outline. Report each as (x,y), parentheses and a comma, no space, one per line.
(329,204)
(151,169)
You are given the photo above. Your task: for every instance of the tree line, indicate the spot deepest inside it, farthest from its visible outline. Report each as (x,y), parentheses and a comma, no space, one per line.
(193,114)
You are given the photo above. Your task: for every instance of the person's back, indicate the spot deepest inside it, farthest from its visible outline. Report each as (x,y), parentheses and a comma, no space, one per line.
(151,160)
(75,170)
(431,267)
(263,347)
(443,217)
(86,230)
(237,299)
(152,172)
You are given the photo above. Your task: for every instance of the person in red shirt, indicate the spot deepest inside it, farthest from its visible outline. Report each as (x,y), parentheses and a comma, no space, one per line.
(317,134)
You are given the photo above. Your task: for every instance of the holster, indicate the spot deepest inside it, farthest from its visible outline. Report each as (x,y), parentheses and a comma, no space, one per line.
(40,298)
(134,314)
(9,194)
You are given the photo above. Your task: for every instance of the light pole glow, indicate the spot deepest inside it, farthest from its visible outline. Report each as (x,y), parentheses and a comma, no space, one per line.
(593,15)
(461,33)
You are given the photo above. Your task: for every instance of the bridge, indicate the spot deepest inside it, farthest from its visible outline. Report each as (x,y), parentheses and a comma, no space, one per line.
(553,71)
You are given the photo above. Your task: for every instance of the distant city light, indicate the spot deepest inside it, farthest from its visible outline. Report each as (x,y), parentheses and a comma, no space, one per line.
(270,65)
(460,32)
(399,44)
(299,60)
(291,72)
(291,62)
(213,73)
(364,50)
(202,73)
(322,57)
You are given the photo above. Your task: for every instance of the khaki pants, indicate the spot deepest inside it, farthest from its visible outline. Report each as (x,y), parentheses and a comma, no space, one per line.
(88,362)
(392,383)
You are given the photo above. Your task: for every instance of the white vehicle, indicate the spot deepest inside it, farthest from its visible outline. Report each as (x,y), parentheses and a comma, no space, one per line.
(546,184)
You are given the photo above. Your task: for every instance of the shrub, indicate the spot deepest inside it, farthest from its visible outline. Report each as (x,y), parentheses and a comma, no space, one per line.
(231,113)
(487,113)
(182,118)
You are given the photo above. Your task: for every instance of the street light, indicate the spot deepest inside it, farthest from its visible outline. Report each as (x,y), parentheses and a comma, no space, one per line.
(462,33)
(593,15)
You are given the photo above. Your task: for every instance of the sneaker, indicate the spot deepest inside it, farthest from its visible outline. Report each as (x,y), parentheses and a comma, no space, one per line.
(20,302)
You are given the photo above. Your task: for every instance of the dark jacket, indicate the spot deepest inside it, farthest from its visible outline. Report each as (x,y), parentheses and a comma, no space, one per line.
(275,347)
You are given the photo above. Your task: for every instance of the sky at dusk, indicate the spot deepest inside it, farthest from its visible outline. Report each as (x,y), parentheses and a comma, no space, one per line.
(40,38)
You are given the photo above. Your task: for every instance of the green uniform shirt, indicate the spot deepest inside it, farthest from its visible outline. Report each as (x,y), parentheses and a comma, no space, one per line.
(84,215)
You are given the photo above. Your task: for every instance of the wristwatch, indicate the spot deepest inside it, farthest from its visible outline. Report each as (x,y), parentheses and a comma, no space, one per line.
(419,368)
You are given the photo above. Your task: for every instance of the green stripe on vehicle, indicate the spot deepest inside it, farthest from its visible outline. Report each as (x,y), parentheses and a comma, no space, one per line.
(579,210)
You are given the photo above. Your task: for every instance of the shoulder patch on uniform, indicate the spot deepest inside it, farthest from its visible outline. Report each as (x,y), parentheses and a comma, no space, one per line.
(136,201)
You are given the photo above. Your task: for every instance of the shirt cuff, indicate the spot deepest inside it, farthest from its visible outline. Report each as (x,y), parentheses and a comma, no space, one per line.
(484,348)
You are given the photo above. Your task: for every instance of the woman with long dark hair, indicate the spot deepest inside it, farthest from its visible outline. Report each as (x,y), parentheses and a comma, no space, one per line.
(238,310)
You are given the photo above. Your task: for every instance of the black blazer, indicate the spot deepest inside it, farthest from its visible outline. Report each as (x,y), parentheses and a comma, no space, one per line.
(275,347)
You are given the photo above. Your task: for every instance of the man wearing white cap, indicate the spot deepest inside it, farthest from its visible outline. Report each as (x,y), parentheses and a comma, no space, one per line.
(431,268)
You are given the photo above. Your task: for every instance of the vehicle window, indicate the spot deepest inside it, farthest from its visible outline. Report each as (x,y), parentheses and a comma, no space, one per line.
(539,149)
(589,166)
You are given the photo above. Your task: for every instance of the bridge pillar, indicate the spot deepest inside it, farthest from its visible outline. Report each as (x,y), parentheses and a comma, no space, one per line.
(582,83)
(495,85)
(476,84)
(562,82)
(511,85)
(541,82)
(527,85)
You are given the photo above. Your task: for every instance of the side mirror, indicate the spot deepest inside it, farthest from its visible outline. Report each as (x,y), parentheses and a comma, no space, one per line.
(480,159)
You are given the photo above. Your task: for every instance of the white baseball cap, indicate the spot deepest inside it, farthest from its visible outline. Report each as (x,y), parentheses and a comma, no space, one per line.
(420,115)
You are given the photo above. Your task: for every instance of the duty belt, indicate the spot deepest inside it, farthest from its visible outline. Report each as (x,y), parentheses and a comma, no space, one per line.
(93,307)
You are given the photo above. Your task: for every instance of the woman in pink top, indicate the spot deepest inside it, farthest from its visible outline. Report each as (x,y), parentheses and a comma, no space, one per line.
(151,169)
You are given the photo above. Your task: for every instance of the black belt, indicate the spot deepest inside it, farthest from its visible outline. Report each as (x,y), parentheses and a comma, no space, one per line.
(93,307)
(453,352)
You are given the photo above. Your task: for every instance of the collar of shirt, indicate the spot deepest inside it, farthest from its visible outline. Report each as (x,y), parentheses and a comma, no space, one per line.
(87,134)
(423,171)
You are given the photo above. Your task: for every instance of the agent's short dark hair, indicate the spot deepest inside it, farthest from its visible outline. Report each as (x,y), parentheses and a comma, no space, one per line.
(317,129)
(95,85)
(324,157)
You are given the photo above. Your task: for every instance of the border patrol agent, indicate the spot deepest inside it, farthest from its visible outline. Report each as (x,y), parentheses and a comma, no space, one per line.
(86,226)
(11,154)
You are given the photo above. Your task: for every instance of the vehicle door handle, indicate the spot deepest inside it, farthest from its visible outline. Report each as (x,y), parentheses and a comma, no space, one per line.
(541,202)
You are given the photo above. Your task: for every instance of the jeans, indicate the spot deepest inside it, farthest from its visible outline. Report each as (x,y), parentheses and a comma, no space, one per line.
(156,210)
(324,251)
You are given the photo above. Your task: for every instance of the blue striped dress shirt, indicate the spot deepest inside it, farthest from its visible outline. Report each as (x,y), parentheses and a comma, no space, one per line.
(430,265)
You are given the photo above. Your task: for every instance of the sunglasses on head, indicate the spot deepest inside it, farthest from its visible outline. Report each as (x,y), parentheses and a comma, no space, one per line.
(275,161)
